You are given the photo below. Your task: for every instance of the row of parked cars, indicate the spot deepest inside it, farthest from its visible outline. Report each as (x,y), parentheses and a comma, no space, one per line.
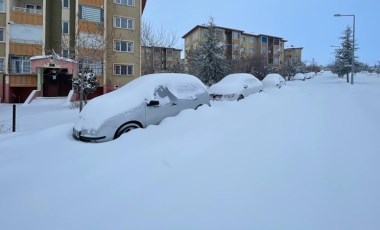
(149,99)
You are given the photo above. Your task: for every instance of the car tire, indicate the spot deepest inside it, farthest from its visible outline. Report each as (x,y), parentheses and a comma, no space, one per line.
(240,97)
(126,128)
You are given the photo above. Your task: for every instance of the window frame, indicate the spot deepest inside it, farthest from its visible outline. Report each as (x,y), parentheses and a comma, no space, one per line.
(119,2)
(2,6)
(2,37)
(2,67)
(120,18)
(132,47)
(120,65)
(68,3)
(63,27)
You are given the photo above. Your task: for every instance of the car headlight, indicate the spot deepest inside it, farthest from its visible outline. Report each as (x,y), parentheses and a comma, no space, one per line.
(229,96)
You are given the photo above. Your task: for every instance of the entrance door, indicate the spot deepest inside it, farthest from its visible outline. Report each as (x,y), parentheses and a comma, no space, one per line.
(56,82)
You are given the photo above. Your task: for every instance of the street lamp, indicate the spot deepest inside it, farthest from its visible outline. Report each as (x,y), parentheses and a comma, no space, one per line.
(353,43)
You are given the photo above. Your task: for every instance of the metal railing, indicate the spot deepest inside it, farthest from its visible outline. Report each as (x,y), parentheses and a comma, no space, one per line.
(26,10)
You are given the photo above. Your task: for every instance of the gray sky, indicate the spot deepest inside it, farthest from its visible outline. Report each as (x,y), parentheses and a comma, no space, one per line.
(305,23)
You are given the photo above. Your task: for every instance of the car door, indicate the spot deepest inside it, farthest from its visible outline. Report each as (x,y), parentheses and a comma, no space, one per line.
(162,105)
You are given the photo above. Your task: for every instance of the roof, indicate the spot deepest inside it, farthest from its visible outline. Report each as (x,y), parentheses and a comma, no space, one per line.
(225,28)
(205,27)
(143,5)
(162,47)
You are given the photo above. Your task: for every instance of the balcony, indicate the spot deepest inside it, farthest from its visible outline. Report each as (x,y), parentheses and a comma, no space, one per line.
(23,80)
(21,15)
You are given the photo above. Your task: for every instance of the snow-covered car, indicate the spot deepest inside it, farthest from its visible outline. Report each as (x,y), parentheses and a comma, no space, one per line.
(299,76)
(235,87)
(309,75)
(273,80)
(144,101)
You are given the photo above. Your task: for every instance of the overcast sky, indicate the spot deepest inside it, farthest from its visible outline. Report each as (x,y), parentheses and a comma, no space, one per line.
(304,23)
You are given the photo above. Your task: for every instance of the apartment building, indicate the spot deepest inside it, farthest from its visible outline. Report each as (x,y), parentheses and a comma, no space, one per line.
(101,34)
(156,59)
(293,55)
(237,43)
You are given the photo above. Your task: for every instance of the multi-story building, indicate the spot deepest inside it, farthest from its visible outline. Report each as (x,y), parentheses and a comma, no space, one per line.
(237,43)
(101,34)
(293,55)
(157,59)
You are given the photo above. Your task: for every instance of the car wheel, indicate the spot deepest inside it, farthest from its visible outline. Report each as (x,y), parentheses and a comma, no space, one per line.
(126,128)
(240,97)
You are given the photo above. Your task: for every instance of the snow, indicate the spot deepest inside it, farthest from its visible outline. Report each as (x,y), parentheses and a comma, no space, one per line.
(299,76)
(133,94)
(303,157)
(234,84)
(273,80)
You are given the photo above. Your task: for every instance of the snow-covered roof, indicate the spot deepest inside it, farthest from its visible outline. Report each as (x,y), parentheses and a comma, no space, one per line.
(56,57)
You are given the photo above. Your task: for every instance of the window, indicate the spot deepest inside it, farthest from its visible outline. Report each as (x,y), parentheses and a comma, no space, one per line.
(121,69)
(95,65)
(66,3)
(20,64)
(1,64)
(125,2)
(2,6)
(264,39)
(235,35)
(1,34)
(65,27)
(65,53)
(124,23)
(123,46)
(276,42)
(33,8)
(90,13)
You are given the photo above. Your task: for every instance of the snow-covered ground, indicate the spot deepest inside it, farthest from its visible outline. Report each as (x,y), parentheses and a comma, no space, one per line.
(305,156)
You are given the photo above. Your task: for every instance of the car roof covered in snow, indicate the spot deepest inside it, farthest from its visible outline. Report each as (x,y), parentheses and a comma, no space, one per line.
(273,79)
(234,83)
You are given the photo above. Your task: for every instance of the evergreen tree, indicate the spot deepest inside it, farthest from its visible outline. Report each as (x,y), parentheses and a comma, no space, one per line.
(90,84)
(344,54)
(208,61)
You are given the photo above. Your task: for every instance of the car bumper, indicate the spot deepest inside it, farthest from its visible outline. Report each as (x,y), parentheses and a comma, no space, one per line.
(77,136)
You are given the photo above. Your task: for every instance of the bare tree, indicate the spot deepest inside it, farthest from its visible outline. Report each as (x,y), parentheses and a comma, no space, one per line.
(90,50)
(154,38)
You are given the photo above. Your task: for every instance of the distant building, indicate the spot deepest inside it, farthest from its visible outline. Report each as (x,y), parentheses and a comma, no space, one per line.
(30,28)
(158,59)
(293,55)
(238,43)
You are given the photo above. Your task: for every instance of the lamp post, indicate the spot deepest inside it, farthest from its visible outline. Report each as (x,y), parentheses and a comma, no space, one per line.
(353,43)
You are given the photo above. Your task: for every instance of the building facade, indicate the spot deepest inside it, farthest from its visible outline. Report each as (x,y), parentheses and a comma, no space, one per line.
(293,55)
(101,34)
(238,43)
(157,59)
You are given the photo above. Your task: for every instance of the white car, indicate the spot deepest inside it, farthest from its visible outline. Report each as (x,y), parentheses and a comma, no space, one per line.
(235,87)
(144,101)
(299,76)
(273,80)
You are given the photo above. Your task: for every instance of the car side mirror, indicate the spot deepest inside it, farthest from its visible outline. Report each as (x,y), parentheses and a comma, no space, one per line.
(153,103)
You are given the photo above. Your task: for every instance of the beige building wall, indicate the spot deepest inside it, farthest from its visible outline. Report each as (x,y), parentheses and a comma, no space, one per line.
(239,43)
(115,58)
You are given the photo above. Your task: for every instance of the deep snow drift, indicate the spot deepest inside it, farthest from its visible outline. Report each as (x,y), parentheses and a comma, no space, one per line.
(305,156)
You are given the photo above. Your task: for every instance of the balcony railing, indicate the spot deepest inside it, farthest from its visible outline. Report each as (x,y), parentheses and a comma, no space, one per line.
(26,10)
